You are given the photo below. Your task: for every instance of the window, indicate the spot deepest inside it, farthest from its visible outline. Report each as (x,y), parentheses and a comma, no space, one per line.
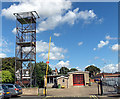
(4,87)
(10,86)
(0,87)
(17,86)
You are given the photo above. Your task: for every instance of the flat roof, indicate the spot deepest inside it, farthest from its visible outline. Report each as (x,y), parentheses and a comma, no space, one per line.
(78,72)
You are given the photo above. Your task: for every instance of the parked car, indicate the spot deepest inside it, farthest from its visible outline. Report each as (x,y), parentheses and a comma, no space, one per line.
(14,89)
(1,92)
(4,92)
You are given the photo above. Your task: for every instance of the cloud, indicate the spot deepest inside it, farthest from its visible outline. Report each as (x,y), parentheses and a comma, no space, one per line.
(2,55)
(57,34)
(87,14)
(103,43)
(94,49)
(52,13)
(14,31)
(80,43)
(100,20)
(78,68)
(46,8)
(53,56)
(115,47)
(63,64)
(90,65)
(70,17)
(96,57)
(110,68)
(56,53)
(103,59)
(4,45)
(0,43)
(110,38)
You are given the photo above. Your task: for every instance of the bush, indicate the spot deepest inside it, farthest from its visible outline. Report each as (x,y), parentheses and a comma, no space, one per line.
(7,77)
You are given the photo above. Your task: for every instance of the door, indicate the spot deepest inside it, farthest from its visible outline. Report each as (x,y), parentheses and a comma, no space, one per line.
(78,79)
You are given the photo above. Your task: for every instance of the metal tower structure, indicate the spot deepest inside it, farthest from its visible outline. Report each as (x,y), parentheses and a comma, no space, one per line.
(25,51)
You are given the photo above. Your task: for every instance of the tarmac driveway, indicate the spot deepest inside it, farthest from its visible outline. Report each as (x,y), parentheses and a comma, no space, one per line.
(83,91)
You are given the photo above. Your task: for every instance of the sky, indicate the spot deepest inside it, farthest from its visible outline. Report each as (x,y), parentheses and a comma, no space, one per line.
(82,33)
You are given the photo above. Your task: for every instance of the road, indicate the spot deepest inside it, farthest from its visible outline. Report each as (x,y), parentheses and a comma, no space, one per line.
(86,92)
(27,97)
(50,97)
(38,97)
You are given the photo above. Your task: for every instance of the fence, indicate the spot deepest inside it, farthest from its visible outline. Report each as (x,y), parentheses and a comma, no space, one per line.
(110,85)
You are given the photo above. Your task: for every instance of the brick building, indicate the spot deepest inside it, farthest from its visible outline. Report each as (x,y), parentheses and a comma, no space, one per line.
(107,75)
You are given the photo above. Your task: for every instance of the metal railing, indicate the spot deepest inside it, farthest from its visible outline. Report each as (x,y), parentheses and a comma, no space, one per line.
(110,85)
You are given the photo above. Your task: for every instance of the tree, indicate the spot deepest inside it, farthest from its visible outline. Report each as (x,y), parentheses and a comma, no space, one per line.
(73,69)
(40,73)
(0,76)
(9,65)
(64,70)
(7,77)
(93,70)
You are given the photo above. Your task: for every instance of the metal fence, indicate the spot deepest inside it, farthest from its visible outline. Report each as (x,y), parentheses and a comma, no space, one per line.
(110,85)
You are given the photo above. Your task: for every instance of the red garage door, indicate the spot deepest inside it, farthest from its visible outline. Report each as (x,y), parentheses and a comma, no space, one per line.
(78,79)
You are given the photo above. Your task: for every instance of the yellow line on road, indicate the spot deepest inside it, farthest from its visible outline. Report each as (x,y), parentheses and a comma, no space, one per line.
(93,97)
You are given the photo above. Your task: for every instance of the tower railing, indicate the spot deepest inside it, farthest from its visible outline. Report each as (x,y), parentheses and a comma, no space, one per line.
(25,51)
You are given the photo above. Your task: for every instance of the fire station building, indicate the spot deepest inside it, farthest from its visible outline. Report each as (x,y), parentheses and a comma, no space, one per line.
(77,78)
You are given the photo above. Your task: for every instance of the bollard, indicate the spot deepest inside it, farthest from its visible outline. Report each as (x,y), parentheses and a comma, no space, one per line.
(101,88)
(98,88)
(45,91)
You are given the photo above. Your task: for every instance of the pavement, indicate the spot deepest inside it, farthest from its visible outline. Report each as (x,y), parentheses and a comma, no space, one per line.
(83,92)
(27,97)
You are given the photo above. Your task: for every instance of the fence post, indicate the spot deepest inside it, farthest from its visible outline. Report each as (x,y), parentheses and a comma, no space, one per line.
(118,87)
(101,87)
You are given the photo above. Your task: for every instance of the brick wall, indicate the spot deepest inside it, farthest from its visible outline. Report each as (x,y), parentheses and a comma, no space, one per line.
(30,91)
(70,80)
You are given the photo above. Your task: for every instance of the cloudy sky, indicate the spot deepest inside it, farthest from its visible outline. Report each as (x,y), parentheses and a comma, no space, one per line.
(82,33)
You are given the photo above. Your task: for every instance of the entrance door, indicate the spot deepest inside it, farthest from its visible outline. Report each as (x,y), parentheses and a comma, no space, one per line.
(78,79)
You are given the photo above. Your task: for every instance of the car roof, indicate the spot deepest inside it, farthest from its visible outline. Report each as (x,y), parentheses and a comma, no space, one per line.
(2,84)
(8,84)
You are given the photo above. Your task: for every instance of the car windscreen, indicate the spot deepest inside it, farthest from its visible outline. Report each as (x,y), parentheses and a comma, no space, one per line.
(10,86)
(4,87)
(17,86)
(0,87)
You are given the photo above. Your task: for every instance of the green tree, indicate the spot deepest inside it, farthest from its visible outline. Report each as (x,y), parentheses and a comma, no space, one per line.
(0,76)
(9,65)
(7,76)
(40,73)
(73,69)
(64,70)
(93,70)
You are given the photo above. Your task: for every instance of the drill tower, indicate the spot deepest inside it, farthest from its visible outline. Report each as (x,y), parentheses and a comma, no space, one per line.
(25,51)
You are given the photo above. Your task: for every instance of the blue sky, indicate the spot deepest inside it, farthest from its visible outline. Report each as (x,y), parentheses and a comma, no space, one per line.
(82,33)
